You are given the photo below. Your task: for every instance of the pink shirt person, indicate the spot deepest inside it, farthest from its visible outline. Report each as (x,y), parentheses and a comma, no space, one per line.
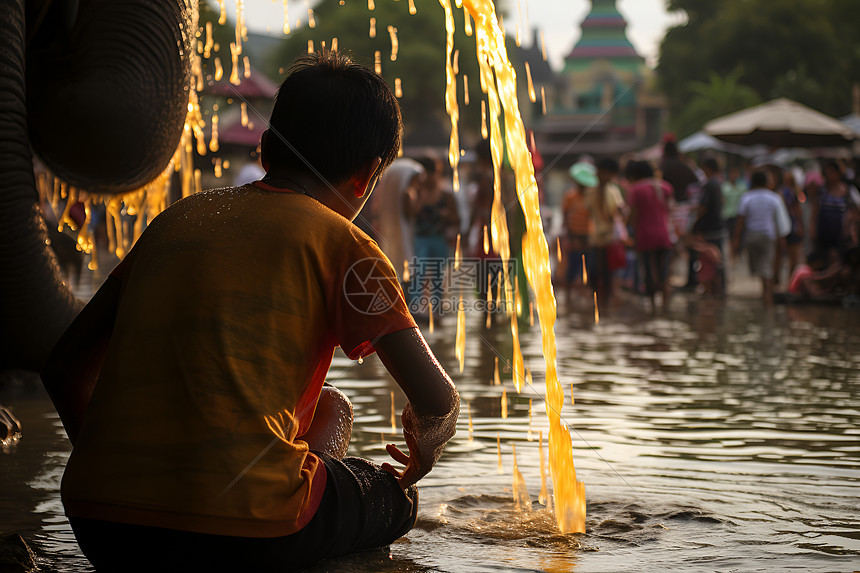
(650,200)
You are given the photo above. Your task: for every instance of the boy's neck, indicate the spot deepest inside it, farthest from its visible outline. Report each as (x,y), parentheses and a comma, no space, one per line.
(285,182)
(337,197)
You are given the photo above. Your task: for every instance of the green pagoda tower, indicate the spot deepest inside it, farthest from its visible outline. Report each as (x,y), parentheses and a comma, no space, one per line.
(603,102)
(604,37)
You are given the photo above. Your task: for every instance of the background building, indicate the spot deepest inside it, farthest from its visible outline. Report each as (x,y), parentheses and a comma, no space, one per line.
(604,102)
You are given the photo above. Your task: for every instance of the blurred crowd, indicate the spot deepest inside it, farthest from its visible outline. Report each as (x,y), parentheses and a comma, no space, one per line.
(677,224)
(629,229)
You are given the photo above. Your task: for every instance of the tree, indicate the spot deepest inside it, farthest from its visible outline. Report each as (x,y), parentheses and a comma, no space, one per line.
(807,50)
(719,96)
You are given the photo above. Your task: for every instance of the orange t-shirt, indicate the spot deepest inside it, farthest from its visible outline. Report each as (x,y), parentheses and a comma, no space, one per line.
(231,305)
(577,217)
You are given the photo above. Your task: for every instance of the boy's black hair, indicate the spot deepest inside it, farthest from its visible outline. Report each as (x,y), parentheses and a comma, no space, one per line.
(758,179)
(636,170)
(331,117)
(608,164)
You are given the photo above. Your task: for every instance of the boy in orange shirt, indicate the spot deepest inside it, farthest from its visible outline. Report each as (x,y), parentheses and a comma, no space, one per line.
(192,384)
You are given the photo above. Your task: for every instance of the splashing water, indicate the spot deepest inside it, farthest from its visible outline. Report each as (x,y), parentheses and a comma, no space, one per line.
(498,80)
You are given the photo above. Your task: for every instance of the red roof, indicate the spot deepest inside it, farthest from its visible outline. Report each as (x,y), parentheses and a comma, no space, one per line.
(239,134)
(257,86)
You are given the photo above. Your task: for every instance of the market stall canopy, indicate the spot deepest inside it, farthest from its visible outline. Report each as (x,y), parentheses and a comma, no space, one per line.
(701,141)
(781,123)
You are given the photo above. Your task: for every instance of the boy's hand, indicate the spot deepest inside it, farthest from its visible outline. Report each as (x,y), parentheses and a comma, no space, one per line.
(425,437)
(413,471)
(434,420)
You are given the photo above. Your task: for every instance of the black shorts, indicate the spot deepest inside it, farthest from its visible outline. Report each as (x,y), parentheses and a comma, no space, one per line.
(363,508)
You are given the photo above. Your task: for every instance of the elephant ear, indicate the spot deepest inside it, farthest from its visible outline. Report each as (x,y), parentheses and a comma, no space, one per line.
(103,104)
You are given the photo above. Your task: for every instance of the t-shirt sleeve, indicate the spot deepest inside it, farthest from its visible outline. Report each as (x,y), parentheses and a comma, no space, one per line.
(366,301)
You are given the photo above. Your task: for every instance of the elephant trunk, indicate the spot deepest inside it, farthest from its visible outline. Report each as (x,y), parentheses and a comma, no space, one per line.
(103,104)
(36,306)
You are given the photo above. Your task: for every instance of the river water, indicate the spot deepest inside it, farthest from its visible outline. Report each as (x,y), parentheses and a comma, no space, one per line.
(716,436)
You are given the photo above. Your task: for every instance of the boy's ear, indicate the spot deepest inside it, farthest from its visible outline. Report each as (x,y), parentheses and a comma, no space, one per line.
(264,156)
(366,176)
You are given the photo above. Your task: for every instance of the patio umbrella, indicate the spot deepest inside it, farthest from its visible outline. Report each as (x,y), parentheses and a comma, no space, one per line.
(781,123)
(701,141)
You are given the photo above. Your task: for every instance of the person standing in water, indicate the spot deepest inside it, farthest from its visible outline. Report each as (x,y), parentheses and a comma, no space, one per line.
(605,205)
(709,224)
(834,211)
(762,220)
(649,199)
(682,178)
(435,215)
(577,225)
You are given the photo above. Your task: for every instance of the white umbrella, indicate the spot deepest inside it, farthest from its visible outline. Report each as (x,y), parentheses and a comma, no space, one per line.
(701,141)
(781,123)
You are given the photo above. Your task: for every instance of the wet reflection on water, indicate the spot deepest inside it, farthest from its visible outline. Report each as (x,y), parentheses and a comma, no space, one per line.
(717,436)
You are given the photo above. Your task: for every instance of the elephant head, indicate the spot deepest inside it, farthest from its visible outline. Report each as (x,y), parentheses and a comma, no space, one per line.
(98,90)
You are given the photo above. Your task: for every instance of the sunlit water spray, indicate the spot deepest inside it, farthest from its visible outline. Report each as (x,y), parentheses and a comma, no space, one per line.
(498,81)
(521,494)
(504,404)
(584,271)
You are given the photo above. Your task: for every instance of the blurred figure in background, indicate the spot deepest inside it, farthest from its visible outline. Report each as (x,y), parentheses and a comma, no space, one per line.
(763,218)
(577,225)
(792,247)
(649,199)
(708,225)
(607,239)
(387,221)
(675,171)
(436,217)
(834,211)
(734,185)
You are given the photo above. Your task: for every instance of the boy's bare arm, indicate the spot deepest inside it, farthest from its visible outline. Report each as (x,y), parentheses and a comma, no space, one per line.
(430,418)
(71,371)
